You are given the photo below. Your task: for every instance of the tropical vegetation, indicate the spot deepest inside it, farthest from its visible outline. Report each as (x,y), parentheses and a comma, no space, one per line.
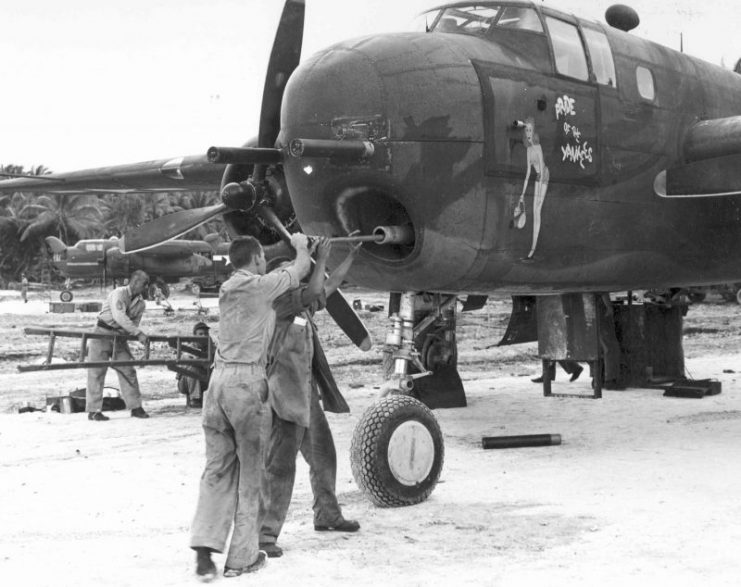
(27,219)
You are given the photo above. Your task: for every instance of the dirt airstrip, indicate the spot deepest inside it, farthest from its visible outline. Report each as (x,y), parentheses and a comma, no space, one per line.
(644,489)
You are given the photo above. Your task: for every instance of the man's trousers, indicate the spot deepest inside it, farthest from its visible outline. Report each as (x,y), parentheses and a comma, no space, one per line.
(233,410)
(317,447)
(103,349)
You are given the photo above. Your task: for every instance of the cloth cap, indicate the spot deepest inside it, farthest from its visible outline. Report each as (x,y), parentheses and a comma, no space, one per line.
(200,325)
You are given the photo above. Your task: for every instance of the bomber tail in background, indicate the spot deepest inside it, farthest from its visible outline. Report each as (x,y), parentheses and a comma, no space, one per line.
(55,245)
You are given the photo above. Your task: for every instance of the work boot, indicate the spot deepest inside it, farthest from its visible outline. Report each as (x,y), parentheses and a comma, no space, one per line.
(260,562)
(540,379)
(271,549)
(205,567)
(575,374)
(139,413)
(97,416)
(341,526)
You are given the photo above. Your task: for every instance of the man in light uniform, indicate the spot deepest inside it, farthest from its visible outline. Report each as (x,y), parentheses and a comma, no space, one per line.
(298,420)
(122,311)
(233,409)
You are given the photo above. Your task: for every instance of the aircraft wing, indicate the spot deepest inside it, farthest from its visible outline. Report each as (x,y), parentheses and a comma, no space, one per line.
(711,164)
(192,172)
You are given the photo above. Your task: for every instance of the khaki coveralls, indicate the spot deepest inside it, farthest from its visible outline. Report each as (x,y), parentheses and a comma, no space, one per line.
(298,422)
(121,314)
(232,413)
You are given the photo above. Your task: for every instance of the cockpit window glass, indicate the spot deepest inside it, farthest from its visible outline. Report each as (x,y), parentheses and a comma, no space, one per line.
(599,51)
(645,82)
(480,20)
(568,49)
(467,19)
(517,17)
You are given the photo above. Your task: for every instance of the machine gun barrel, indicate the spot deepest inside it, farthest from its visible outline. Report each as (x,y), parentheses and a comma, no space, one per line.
(349,149)
(244,155)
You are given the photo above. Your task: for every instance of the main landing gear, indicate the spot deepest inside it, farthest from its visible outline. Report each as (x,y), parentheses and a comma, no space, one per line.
(397,449)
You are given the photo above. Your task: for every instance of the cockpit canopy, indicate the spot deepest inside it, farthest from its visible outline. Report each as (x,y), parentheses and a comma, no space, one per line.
(481,19)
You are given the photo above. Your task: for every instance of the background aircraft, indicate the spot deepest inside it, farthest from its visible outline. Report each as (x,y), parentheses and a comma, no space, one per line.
(511,147)
(168,262)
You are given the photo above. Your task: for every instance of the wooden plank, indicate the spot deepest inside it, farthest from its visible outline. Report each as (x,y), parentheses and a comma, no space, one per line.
(112,364)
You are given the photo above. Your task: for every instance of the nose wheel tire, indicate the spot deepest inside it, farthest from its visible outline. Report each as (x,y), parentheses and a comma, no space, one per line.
(397,452)
(66,295)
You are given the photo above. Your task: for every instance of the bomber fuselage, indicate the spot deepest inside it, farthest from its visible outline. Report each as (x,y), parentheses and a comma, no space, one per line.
(93,258)
(458,118)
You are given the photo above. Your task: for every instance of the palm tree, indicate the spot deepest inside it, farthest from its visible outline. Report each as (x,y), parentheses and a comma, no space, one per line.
(159,204)
(122,212)
(16,258)
(69,217)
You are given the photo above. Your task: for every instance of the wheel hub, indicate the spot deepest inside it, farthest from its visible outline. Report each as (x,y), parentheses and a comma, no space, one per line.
(411,453)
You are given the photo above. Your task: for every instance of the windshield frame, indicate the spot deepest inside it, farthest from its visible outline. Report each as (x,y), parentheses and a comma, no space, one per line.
(444,10)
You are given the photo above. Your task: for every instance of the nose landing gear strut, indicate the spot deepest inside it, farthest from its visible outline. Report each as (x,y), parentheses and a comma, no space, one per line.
(397,449)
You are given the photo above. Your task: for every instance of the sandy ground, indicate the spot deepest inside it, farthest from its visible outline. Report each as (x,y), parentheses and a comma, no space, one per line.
(644,490)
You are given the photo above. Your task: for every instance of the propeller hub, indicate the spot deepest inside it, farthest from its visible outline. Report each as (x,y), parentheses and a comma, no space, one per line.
(240,196)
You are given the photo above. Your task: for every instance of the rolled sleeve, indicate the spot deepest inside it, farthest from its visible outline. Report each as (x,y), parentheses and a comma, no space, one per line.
(277,282)
(118,311)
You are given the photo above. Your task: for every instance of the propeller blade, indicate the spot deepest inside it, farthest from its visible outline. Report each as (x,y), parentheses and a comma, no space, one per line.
(284,58)
(269,216)
(167,227)
(348,320)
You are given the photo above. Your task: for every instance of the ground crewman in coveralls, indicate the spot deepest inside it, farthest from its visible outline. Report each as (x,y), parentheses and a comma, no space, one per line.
(122,311)
(298,420)
(234,407)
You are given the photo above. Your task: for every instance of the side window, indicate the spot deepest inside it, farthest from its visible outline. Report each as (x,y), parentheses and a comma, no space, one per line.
(516,17)
(645,83)
(599,51)
(567,49)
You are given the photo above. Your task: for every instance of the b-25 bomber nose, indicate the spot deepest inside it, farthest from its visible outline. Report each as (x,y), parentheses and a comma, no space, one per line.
(416,99)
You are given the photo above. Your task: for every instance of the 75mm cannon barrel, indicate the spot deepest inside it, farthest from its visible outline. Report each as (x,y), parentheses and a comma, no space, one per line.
(402,234)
